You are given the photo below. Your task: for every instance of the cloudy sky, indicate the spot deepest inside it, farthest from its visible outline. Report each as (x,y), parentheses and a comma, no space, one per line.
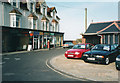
(72,14)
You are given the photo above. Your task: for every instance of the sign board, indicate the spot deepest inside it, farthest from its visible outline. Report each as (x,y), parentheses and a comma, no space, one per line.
(41,33)
(46,33)
(52,34)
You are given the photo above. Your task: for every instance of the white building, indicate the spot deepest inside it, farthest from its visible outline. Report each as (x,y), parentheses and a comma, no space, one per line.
(36,19)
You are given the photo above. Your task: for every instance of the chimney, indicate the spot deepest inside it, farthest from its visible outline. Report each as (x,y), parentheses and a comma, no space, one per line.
(85,19)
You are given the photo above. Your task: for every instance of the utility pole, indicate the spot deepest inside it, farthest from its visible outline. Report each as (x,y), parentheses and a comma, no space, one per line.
(85,19)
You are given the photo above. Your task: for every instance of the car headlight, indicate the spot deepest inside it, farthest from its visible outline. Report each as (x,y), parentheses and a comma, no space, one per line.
(98,56)
(117,59)
(85,55)
(66,52)
(77,53)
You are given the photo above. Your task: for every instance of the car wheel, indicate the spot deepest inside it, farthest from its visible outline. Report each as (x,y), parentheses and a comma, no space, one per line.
(85,61)
(68,57)
(107,61)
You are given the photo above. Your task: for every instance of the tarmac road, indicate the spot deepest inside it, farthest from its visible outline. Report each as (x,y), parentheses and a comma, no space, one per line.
(31,66)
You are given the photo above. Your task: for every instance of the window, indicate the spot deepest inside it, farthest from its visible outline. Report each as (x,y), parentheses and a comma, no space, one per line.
(46,26)
(116,38)
(34,24)
(43,11)
(38,9)
(31,7)
(89,46)
(112,47)
(30,24)
(14,21)
(14,3)
(43,25)
(17,21)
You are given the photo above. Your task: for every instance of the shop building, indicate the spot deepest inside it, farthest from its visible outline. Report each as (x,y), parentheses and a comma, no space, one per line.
(29,25)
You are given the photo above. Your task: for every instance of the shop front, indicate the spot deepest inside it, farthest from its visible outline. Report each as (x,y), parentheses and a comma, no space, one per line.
(14,39)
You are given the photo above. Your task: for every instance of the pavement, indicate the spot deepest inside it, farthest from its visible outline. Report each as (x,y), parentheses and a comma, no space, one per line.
(81,70)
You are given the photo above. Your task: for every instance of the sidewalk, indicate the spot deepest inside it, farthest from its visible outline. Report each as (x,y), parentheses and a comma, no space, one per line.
(80,69)
(17,52)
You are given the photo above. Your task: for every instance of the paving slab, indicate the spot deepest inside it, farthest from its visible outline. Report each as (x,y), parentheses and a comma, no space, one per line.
(80,69)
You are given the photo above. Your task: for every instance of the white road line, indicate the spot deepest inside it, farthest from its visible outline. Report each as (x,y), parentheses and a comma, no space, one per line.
(60,72)
(7,58)
(17,59)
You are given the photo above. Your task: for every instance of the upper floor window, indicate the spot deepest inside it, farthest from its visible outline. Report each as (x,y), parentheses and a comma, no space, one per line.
(43,11)
(14,20)
(14,4)
(31,7)
(15,16)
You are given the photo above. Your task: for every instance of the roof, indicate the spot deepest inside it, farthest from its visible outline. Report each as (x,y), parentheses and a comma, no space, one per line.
(54,21)
(44,18)
(51,9)
(95,28)
(15,11)
(57,17)
(33,15)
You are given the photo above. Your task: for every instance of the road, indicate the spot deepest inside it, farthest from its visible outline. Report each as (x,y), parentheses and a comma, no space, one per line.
(31,66)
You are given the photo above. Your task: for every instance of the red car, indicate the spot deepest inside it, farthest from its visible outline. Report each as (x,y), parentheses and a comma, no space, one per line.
(78,50)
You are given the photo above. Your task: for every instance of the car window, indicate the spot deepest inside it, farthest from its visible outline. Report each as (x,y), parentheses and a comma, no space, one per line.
(82,46)
(89,46)
(112,47)
(115,45)
(101,47)
(68,43)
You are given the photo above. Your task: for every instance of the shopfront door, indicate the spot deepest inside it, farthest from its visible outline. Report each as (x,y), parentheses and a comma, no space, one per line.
(35,43)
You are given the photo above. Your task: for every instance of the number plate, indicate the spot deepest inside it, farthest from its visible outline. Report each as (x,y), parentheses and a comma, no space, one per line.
(91,58)
(70,55)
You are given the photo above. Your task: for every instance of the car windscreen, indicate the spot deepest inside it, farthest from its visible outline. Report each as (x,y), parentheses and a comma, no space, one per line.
(101,47)
(79,47)
(68,43)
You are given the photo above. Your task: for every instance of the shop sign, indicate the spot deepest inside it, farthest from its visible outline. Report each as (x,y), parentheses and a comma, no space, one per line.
(36,33)
(52,34)
(41,33)
(46,33)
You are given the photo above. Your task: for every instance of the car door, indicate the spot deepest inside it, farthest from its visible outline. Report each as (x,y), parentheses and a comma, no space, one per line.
(114,53)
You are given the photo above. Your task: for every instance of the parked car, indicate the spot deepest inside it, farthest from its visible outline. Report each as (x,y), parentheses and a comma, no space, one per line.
(78,50)
(68,45)
(102,53)
(117,63)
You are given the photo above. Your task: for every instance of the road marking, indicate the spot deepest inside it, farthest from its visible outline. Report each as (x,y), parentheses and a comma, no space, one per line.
(62,73)
(7,58)
(17,59)
(9,74)
(2,63)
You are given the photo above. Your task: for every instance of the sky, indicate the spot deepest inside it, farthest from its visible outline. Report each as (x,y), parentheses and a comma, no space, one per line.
(72,14)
